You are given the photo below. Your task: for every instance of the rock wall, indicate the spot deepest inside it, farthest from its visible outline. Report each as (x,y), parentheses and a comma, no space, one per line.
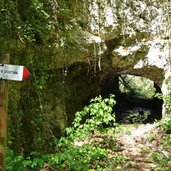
(131,37)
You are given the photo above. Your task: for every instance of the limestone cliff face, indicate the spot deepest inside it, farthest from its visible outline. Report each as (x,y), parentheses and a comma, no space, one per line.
(118,37)
(130,37)
(130,32)
(124,31)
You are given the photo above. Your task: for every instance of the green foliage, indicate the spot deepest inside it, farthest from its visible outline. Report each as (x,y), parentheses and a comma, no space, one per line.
(99,112)
(151,137)
(167,99)
(137,117)
(119,160)
(14,162)
(33,21)
(84,155)
(145,150)
(78,158)
(87,147)
(17,162)
(166,124)
(161,96)
(160,158)
(137,85)
(27,29)
(73,152)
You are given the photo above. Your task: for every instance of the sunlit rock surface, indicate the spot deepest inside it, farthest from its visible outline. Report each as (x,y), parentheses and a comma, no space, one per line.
(136,34)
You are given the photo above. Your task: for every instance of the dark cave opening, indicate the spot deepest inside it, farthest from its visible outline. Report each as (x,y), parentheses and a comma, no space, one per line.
(135,98)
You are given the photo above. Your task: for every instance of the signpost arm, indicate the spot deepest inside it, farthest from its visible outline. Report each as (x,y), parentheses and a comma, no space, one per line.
(3,114)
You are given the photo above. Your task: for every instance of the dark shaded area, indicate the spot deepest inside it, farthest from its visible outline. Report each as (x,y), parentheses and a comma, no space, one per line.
(127,105)
(147,110)
(110,85)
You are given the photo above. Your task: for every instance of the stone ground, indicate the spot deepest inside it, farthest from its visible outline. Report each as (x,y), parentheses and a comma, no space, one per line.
(138,146)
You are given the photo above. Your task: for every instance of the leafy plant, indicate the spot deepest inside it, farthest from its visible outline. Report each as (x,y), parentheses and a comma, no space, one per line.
(14,162)
(19,163)
(145,150)
(162,158)
(159,158)
(167,100)
(92,155)
(99,112)
(166,124)
(78,158)
(137,117)
(151,137)
(119,159)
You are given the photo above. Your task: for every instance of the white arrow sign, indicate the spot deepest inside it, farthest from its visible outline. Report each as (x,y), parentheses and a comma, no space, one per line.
(13,72)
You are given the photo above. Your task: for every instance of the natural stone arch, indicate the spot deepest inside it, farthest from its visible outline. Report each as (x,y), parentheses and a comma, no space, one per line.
(110,84)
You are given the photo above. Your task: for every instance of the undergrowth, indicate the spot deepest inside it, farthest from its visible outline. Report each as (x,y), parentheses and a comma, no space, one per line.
(88,144)
(91,144)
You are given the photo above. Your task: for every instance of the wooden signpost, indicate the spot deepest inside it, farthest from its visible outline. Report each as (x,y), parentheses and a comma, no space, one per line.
(7,72)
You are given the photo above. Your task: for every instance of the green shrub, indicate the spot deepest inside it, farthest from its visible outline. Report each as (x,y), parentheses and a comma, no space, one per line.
(14,162)
(159,158)
(166,124)
(18,163)
(78,158)
(99,112)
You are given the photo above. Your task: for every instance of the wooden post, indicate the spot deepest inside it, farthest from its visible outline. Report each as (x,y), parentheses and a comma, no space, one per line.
(3,114)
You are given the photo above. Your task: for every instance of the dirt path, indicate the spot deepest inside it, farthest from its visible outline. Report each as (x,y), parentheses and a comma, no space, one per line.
(139,145)
(136,147)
